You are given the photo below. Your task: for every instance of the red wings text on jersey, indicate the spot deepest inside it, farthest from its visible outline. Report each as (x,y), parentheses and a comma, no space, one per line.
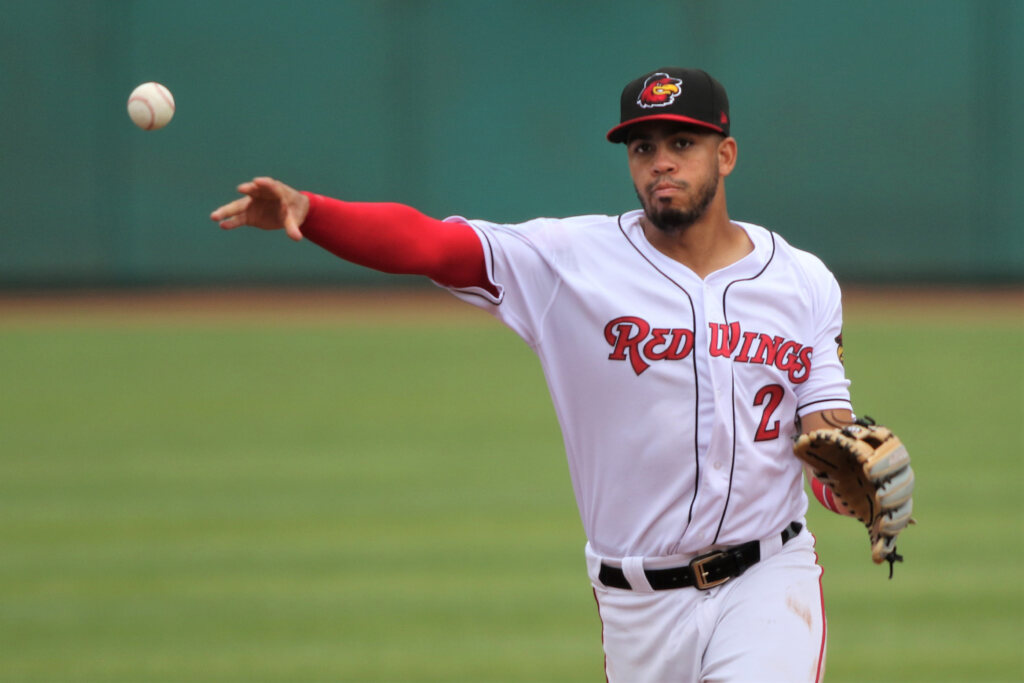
(634,339)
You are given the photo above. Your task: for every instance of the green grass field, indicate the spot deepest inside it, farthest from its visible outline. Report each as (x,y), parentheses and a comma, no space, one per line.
(329,499)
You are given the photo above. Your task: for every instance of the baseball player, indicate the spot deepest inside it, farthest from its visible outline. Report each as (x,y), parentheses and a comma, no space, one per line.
(684,352)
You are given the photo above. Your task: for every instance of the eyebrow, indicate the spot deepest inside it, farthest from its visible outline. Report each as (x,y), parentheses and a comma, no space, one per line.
(633,137)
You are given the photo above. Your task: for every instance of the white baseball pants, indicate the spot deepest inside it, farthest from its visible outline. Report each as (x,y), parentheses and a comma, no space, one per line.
(766,625)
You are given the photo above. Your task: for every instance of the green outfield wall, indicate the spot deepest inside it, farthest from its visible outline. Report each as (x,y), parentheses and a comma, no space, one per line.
(883,135)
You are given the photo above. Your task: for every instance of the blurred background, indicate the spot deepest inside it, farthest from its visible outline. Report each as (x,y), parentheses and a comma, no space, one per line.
(884,136)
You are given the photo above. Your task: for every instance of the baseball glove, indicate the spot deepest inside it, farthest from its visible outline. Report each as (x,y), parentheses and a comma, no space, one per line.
(868,470)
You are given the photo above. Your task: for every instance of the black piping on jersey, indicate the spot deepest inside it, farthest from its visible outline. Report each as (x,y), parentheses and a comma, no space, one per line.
(732,375)
(490,273)
(820,400)
(696,381)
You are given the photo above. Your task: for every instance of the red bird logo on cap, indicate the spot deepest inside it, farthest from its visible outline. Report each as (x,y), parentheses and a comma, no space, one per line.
(660,90)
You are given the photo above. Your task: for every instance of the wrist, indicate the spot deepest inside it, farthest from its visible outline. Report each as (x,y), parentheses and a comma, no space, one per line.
(310,202)
(825,496)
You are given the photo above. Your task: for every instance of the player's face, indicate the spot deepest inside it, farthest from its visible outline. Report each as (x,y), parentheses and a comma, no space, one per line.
(676,172)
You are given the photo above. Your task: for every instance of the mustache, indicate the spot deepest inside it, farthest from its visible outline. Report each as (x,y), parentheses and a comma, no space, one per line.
(678,184)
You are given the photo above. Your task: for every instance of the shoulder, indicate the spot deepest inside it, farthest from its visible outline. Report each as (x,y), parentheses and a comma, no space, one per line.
(786,255)
(545,223)
(546,230)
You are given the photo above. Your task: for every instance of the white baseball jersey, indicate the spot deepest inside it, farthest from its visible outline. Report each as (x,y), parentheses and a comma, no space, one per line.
(676,396)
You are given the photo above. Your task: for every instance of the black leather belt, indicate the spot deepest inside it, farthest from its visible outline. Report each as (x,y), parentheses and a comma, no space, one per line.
(706,571)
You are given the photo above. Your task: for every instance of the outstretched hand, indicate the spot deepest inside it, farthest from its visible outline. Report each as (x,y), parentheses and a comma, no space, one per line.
(268,204)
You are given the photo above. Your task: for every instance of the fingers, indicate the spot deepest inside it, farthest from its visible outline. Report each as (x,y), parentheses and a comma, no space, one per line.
(268,188)
(232,222)
(231,215)
(268,184)
(291,227)
(268,204)
(262,188)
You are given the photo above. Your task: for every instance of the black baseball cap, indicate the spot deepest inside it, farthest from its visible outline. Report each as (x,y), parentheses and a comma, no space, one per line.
(673,94)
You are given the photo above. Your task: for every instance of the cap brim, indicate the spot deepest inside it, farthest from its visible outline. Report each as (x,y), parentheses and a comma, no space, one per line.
(618,133)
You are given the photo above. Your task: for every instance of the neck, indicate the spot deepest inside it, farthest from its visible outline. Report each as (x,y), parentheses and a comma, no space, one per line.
(711,243)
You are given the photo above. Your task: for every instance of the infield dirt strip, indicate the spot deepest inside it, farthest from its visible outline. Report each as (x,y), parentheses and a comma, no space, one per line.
(426,305)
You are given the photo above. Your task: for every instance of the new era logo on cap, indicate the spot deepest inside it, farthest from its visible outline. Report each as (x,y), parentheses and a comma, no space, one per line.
(689,96)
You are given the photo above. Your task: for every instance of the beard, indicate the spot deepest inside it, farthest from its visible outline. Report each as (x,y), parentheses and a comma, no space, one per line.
(673,219)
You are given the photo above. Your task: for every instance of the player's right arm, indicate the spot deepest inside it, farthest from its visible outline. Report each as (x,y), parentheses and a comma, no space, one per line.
(392,238)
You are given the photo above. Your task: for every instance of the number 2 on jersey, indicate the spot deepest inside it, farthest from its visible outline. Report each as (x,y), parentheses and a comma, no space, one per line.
(770,396)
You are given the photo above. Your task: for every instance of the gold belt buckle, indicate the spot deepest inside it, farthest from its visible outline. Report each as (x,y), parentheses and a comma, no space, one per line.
(700,574)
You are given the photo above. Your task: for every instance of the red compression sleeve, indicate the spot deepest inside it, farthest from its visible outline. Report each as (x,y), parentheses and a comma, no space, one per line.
(824,496)
(395,238)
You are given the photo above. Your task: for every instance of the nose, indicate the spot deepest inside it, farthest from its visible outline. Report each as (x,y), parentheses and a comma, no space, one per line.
(663,161)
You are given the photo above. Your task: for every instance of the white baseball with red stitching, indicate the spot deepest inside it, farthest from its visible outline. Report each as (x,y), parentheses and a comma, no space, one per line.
(151,106)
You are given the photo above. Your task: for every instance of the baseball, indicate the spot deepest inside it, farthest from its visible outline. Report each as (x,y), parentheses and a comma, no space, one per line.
(151,106)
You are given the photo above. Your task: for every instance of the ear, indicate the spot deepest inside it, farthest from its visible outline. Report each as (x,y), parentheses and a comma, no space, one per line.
(726,156)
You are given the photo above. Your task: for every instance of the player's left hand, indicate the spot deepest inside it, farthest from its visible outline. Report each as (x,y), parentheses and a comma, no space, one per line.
(868,469)
(269,205)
